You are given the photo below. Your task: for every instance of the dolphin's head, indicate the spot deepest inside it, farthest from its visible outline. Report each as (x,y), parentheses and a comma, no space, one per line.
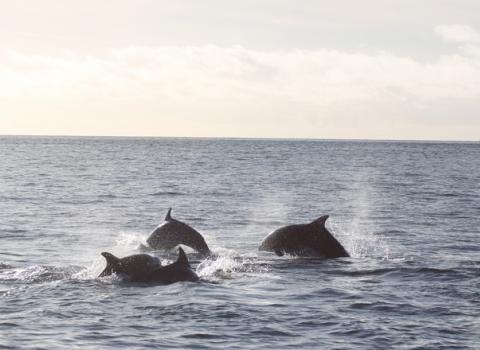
(275,240)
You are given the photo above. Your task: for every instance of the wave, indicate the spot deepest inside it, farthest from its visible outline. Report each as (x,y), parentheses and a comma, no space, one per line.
(407,273)
(18,198)
(82,202)
(37,274)
(167,193)
(13,230)
(107,196)
(4,265)
(227,265)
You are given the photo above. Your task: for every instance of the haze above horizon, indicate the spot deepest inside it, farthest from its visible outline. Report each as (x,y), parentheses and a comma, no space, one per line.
(254,69)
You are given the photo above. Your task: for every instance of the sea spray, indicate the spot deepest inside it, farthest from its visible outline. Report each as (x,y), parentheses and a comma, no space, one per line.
(227,264)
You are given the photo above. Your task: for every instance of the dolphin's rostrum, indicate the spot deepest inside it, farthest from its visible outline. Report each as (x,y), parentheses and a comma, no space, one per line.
(172,233)
(311,239)
(145,268)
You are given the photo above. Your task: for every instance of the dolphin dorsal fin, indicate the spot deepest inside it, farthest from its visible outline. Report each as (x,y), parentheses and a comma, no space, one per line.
(111,259)
(113,265)
(168,217)
(182,257)
(321,220)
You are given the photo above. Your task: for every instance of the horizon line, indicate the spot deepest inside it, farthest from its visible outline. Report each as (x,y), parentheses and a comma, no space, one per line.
(239,138)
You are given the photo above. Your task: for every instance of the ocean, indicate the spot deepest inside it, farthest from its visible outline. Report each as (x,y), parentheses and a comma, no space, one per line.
(408,213)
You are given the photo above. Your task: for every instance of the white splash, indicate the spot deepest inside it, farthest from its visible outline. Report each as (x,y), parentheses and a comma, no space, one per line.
(358,233)
(128,242)
(226,265)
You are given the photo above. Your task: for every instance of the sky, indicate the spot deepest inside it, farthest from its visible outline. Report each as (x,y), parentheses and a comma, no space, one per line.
(370,69)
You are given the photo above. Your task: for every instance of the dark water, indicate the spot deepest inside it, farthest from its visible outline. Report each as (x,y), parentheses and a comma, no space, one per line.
(409,213)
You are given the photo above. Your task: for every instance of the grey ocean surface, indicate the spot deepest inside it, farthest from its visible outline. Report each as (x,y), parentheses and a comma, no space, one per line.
(409,214)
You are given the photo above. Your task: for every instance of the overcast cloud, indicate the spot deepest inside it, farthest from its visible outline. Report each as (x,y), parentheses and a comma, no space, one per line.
(241,88)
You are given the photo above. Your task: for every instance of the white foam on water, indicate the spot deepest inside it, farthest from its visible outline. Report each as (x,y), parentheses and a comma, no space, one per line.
(37,274)
(359,241)
(227,264)
(92,271)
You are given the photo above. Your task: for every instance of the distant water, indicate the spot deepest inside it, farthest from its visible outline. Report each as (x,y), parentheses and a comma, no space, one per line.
(408,212)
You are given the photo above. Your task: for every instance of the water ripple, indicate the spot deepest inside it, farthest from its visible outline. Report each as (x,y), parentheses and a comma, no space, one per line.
(407,212)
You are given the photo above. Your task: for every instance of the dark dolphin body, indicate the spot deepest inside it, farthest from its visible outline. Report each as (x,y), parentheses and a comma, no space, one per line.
(133,265)
(139,268)
(311,239)
(172,232)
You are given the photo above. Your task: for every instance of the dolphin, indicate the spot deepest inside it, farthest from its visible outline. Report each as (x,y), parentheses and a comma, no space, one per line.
(171,233)
(311,239)
(139,268)
(133,265)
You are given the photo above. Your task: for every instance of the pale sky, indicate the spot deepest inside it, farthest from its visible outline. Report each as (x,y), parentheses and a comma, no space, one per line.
(370,69)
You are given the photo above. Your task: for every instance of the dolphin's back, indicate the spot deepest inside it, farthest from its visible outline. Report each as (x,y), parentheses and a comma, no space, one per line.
(285,241)
(180,270)
(171,233)
(304,240)
(134,266)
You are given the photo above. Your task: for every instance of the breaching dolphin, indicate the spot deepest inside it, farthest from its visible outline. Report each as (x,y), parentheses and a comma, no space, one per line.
(140,268)
(311,239)
(171,233)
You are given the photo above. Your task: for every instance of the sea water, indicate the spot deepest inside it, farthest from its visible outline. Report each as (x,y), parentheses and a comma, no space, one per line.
(408,212)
